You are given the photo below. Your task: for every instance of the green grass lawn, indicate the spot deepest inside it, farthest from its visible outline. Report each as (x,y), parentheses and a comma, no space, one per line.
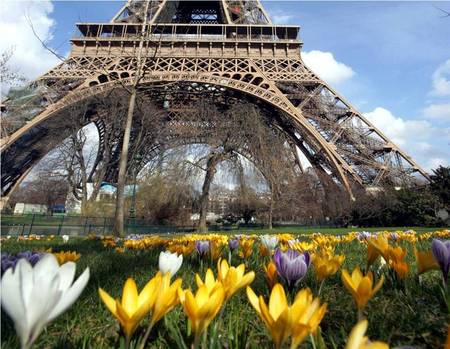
(411,314)
(325,230)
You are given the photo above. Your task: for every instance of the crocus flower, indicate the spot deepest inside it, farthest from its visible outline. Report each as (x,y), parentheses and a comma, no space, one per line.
(67,256)
(282,320)
(247,247)
(169,262)
(202,308)
(360,286)
(65,238)
(166,297)
(158,296)
(307,313)
(376,247)
(210,281)
(358,340)
(269,241)
(291,266)
(393,236)
(233,244)
(425,261)
(363,235)
(325,264)
(397,261)
(202,247)
(271,274)
(232,278)
(215,249)
(34,296)
(10,260)
(441,252)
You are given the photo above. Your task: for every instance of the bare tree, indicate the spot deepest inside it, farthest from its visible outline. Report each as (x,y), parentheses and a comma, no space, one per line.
(239,129)
(43,190)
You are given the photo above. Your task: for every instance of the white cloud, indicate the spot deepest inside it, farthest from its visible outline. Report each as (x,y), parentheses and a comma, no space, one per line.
(399,130)
(438,111)
(420,139)
(327,67)
(441,80)
(282,18)
(29,59)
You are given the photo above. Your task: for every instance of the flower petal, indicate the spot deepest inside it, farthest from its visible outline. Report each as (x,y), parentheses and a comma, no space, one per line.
(130,297)
(278,302)
(70,295)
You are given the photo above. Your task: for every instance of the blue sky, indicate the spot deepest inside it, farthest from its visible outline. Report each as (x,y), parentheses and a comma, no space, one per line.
(390,59)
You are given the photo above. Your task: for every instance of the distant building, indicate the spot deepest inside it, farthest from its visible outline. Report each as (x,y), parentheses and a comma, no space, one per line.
(107,192)
(23,208)
(211,217)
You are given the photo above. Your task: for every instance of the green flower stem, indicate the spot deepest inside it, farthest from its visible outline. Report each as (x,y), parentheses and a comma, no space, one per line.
(196,343)
(360,315)
(147,333)
(313,342)
(320,287)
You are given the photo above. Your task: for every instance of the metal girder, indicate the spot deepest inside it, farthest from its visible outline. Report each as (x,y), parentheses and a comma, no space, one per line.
(255,60)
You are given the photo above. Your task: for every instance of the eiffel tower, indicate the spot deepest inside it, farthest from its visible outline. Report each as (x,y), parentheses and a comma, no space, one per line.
(229,47)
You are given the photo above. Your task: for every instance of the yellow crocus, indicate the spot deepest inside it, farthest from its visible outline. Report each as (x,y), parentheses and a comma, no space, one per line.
(360,286)
(358,340)
(201,308)
(282,320)
(397,261)
(276,315)
(133,307)
(425,261)
(263,251)
(376,247)
(210,281)
(66,256)
(216,249)
(325,264)
(232,278)
(307,313)
(158,296)
(271,274)
(247,248)
(167,297)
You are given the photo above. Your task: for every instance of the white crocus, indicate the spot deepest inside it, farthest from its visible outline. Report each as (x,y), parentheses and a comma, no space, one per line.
(269,241)
(33,297)
(65,238)
(170,262)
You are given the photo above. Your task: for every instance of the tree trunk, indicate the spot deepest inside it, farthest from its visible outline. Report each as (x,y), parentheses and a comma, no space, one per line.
(120,199)
(211,166)
(269,223)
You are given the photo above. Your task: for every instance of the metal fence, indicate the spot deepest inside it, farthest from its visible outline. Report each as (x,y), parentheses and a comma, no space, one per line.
(77,225)
(81,226)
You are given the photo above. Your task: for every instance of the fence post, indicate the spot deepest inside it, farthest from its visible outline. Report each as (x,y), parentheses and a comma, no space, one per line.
(60,225)
(85,225)
(32,223)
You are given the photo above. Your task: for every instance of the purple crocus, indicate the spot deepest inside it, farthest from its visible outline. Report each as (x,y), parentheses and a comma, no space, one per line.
(393,236)
(202,247)
(233,244)
(441,252)
(291,265)
(10,260)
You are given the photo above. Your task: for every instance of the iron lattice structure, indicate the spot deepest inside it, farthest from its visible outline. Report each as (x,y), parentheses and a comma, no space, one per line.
(229,49)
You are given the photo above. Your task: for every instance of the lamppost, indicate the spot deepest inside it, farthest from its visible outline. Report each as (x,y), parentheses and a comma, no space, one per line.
(133,198)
